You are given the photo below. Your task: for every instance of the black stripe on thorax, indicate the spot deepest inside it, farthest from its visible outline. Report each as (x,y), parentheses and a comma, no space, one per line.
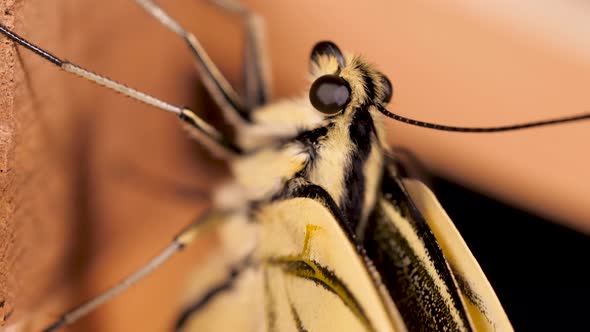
(368,82)
(361,131)
(299,187)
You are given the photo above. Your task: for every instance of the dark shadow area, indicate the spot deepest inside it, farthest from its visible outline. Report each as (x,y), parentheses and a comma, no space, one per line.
(538,268)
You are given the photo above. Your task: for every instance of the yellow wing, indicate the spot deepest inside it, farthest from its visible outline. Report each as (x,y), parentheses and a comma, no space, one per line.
(483,307)
(303,275)
(225,292)
(317,280)
(306,272)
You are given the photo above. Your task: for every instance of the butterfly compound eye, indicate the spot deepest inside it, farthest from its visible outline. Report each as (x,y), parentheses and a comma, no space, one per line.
(329,94)
(388,89)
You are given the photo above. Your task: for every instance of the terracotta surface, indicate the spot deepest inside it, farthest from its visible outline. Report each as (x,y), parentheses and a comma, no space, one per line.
(37,175)
(135,185)
(124,178)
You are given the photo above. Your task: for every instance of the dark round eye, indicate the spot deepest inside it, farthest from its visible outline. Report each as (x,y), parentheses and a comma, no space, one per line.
(329,94)
(388,89)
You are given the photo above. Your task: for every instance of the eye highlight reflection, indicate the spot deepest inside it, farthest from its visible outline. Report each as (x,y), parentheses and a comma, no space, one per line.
(329,94)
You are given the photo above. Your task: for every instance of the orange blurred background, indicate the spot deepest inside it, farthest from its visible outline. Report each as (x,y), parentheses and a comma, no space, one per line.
(468,63)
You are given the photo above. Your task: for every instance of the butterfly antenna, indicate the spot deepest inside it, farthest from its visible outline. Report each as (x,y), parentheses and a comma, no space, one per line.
(526,125)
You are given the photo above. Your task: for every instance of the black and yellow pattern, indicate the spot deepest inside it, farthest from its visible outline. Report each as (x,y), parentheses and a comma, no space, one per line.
(339,238)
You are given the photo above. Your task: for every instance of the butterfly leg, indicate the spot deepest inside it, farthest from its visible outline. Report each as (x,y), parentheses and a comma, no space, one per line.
(256,71)
(183,239)
(234,108)
(210,136)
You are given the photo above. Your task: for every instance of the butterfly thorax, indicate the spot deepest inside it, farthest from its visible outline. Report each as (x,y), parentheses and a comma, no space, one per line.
(342,153)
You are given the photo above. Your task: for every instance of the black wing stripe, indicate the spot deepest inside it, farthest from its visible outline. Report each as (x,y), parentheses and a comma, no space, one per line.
(210,295)
(298,322)
(269,305)
(423,303)
(301,188)
(472,296)
(325,278)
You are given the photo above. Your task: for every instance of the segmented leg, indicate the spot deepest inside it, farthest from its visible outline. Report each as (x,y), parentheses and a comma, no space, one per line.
(256,71)
(182,240)
(235,108)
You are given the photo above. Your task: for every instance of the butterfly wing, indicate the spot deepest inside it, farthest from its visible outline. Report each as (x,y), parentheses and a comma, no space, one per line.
(316,278)
(305,274)
(310,273)
(482,304)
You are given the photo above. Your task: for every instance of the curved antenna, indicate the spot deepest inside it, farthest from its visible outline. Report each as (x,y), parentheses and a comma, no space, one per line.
(436,126)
